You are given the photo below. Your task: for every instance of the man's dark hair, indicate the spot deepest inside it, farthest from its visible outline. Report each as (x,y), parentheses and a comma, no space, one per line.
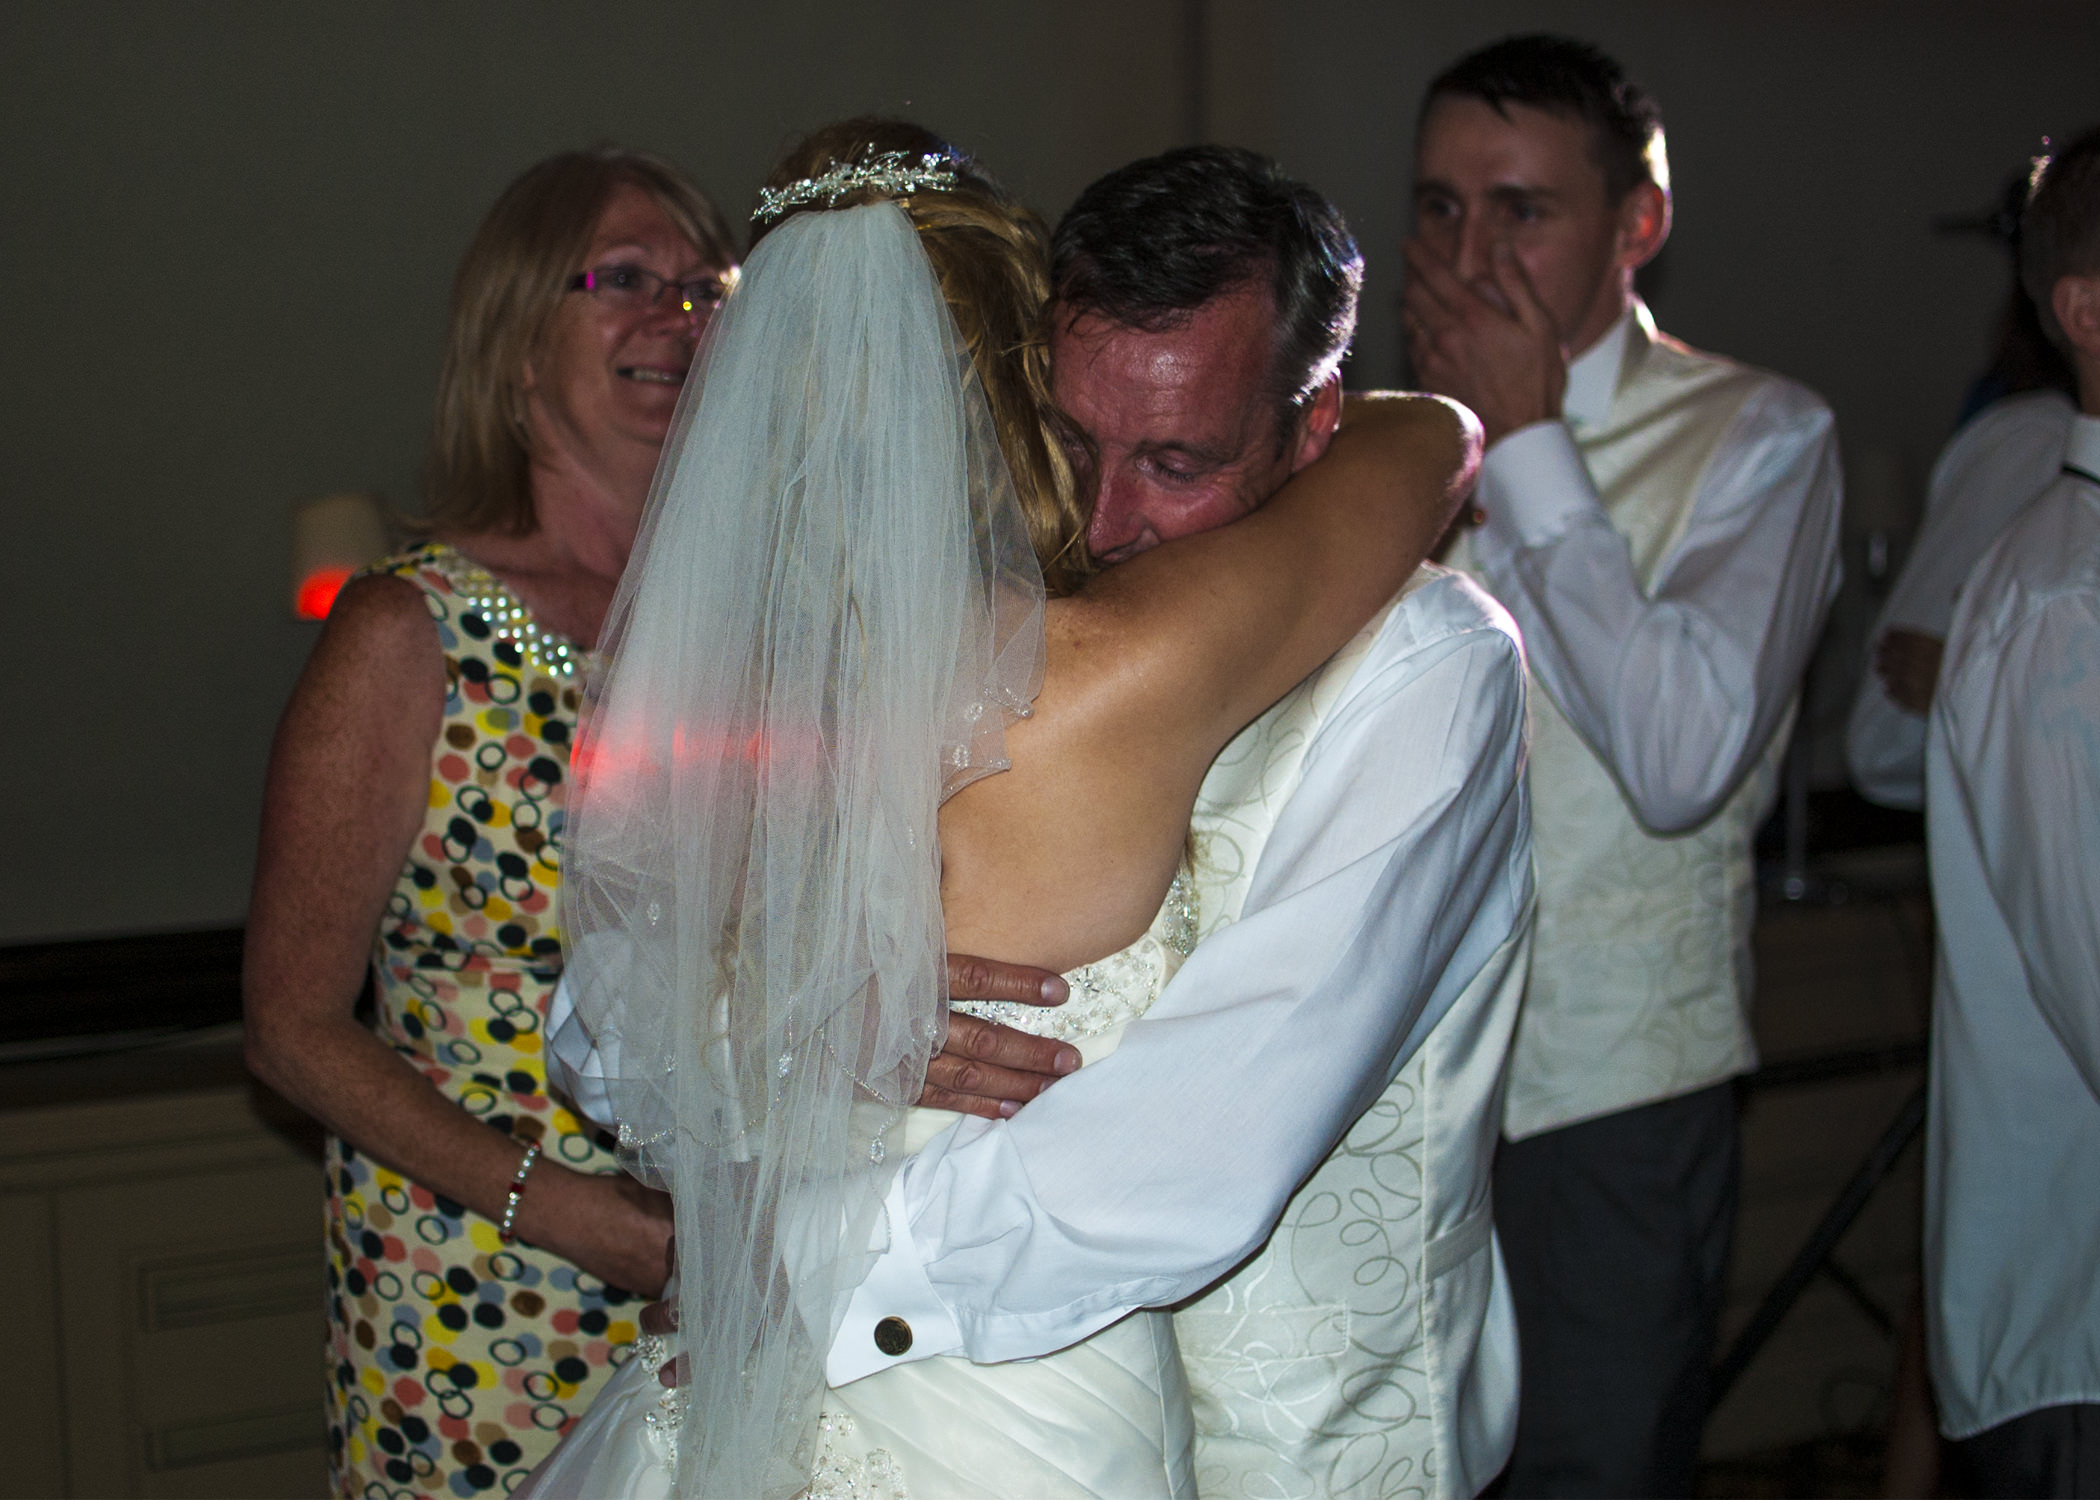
(1567,77)
(1150,243)
(2060,231)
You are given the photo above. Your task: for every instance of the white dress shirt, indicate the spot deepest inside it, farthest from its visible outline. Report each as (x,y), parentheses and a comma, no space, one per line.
(1669,548)
(1679,686)
(2012,1211)
(2000,459)
(1395,872)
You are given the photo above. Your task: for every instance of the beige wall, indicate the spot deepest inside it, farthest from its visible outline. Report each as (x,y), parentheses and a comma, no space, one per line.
(1812,143)
(226,232)
(226,236)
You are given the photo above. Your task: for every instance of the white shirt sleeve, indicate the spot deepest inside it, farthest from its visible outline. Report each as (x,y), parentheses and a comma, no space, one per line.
(1988,472)
(1396,869)
(2023,722)
(1677,690)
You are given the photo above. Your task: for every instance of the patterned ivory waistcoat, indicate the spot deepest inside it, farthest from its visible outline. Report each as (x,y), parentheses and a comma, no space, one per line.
(1369,1348)
(1640,982)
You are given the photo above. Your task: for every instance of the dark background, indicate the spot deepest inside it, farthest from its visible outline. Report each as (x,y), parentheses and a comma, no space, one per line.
(227,231)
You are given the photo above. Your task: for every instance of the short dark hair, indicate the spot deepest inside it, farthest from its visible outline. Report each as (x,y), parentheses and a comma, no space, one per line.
(1565,76)
(1150,243)
(2060,231)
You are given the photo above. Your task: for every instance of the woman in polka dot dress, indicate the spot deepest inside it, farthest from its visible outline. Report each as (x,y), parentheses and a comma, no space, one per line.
(416,790)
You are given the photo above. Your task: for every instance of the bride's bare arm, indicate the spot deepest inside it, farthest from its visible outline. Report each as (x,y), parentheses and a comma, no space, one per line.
(1161,660)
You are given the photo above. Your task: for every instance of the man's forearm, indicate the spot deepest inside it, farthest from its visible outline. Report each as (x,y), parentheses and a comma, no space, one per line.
(1677,683)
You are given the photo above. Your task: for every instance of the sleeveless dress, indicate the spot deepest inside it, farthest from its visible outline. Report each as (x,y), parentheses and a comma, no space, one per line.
(1106,1419)
(455,1362)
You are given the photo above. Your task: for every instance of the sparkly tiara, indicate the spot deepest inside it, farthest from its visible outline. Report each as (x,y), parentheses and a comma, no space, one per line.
(893,172)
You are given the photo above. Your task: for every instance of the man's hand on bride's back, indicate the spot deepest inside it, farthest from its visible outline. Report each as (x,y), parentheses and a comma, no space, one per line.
(984,1070)
(992,1070)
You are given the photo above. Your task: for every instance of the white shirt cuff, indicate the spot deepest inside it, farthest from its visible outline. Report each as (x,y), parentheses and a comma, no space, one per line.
(1533,485)
(894,1316)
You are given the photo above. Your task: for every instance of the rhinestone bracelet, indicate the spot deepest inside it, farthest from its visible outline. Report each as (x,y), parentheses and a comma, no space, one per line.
(507,1231)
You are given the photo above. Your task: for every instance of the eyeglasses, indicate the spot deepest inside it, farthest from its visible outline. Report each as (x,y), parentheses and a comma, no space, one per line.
(638,288)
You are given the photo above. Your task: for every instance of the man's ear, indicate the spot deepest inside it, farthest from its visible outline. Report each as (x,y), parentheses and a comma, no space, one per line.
(1317,420)
(1644,223)
(2076,302)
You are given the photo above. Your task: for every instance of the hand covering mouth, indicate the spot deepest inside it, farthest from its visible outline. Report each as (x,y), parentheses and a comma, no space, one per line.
(650,374)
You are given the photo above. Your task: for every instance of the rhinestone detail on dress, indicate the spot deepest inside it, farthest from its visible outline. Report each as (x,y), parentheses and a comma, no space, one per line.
(510,621)
(840,1476)
(668,1414)
(1115,990)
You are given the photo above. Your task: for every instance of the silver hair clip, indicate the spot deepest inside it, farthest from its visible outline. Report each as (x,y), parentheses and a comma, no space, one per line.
(893,172)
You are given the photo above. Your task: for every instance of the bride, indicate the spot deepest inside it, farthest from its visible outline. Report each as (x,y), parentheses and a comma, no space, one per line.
(864,705)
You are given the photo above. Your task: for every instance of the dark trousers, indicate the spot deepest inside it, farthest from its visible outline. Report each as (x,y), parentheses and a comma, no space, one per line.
(1616,1233)
(2051,1454)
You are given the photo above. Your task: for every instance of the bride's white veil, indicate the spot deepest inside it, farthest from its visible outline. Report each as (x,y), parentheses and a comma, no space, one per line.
(831,613)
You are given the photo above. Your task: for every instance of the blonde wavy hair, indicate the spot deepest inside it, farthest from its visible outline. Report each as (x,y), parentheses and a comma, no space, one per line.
(478,476)
(992,257)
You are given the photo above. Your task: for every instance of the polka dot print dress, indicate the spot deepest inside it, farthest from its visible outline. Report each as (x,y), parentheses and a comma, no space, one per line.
(454,1361)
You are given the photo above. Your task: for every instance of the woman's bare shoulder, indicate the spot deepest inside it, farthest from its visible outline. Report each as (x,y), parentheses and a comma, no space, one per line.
(378,670)
(378,617)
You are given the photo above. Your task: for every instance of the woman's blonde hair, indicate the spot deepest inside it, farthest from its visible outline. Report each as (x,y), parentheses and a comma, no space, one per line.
(479,473)
(992,257)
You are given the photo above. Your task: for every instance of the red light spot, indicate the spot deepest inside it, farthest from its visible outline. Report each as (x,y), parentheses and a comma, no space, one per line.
(317,593)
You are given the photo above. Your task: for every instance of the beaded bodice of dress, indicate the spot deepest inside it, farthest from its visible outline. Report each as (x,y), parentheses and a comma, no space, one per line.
(1115,990)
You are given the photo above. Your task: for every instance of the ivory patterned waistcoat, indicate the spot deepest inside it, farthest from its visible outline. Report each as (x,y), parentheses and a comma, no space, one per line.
(1369,1348)
(1640,982)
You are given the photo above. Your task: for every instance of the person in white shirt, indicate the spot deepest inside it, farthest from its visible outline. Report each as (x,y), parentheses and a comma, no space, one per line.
(1999,460)
(2012,1223)
(1663,525)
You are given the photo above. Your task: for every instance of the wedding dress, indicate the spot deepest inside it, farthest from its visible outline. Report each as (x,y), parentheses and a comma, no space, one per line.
(1108,1417)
